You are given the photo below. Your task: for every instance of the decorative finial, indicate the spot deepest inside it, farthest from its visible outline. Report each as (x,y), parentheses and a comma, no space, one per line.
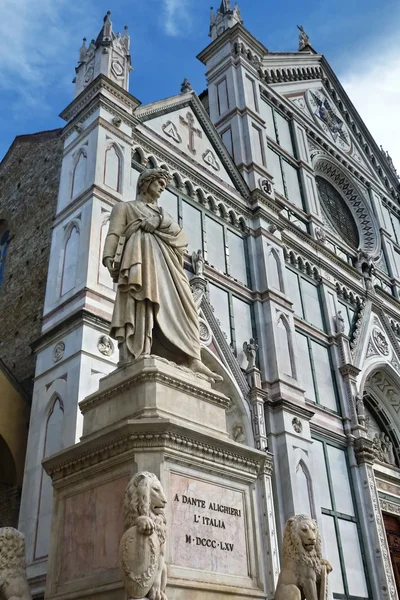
(107,16)
(82,51)
(186,86)
(304,40)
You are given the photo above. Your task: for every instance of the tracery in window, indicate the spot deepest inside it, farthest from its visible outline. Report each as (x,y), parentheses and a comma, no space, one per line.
(337,212)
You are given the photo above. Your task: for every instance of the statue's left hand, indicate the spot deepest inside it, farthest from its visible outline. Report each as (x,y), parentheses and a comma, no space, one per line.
(151,224)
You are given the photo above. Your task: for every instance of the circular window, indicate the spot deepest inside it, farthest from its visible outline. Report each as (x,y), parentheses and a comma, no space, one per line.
(338,212)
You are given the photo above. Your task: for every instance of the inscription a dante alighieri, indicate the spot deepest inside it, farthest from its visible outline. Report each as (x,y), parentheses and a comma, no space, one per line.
(212,521)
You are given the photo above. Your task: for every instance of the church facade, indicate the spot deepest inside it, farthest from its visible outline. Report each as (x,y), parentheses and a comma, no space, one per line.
(295,209)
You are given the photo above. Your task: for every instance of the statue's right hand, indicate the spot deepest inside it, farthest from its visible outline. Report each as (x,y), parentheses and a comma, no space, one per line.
(109,263)
(145,525)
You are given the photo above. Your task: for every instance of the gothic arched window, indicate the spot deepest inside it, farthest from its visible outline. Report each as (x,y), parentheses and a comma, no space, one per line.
(71,249)
(338,213)
(112,168)
(52,444)
(4,241)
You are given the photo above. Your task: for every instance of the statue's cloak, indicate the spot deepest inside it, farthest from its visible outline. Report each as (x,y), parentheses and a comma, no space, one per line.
(154,302)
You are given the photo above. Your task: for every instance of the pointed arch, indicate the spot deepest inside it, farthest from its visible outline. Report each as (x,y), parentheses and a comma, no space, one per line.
(212,205)
(113,165)
(201,197)
(151,163)
(305,497)
(177,181)
(381,383)
(69,257)
(103,276)
(284,345)
(233,217)
(222,210)
(275,278)
(78,179)
(138,155)
(52,443)
(189,189)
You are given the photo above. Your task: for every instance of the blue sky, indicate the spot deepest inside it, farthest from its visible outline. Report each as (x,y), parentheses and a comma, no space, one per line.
(40,41)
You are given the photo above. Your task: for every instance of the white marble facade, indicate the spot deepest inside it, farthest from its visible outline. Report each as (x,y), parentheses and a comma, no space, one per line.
(280,268)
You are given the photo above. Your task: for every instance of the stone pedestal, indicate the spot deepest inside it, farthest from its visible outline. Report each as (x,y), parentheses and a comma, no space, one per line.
(154,416)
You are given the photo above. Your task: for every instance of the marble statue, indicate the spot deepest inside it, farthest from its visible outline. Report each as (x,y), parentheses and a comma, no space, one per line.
(250,351)
(360,409)
(304,40)
(198,263)
(13,581)
(384,448)
(339,322)
(304,571)
(141,550)
(154,311)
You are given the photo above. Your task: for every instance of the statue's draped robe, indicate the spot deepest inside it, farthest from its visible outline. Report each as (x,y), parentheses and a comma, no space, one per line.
(153,296)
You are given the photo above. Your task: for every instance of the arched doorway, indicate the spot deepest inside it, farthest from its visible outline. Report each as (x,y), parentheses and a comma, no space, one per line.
(382,410)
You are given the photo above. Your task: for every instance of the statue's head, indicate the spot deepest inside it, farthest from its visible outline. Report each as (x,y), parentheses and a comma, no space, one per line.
(151,184)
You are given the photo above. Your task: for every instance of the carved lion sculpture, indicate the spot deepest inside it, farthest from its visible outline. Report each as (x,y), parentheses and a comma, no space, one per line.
(141,550)
(303,573)
(13,582)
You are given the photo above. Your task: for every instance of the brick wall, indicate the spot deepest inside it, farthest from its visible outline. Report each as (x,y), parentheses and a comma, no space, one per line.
(9,505)
(29,179)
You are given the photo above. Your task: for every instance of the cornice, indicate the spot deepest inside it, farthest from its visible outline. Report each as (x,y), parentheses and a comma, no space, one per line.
(157,435)
(152,374)
(291,407)
(101,82)
(73,321)
(228,36)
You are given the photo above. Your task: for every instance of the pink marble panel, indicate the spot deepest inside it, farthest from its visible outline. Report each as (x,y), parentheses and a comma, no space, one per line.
(92,529)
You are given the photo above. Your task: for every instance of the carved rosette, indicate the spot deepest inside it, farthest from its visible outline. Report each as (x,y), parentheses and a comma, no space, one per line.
(205,332)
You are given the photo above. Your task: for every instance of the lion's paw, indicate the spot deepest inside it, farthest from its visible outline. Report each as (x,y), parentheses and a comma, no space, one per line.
(156,594)
(145,525)
(327,564)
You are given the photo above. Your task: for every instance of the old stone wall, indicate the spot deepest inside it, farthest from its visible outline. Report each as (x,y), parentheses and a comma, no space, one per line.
(29,179)
(9,505)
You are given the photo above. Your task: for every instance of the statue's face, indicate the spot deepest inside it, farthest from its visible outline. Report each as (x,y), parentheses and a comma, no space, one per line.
(157,499)
(307,535)
(156,188)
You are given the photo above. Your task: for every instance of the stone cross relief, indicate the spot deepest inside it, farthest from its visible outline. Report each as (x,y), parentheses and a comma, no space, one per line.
(189,122)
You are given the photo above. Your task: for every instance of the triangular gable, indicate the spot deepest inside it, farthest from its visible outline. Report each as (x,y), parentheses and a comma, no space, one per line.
(379,344)
(316,103)
(184,123)
(296,75)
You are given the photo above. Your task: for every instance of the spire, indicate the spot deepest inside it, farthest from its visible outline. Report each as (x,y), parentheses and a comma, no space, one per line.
(224,19)
(186,86)
(107,55)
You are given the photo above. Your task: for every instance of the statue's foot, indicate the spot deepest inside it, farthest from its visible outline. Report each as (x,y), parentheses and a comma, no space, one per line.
(197,366)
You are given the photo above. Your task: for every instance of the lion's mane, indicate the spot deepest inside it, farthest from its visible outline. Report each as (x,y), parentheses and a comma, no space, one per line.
(13,580)
(137,503)
(292,548)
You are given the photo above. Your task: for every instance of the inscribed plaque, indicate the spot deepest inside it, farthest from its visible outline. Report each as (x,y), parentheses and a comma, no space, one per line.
(207,527)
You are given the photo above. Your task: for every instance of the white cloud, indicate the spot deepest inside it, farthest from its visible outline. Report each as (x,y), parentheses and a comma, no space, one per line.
(39,43)
(178,18)
(372,82)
